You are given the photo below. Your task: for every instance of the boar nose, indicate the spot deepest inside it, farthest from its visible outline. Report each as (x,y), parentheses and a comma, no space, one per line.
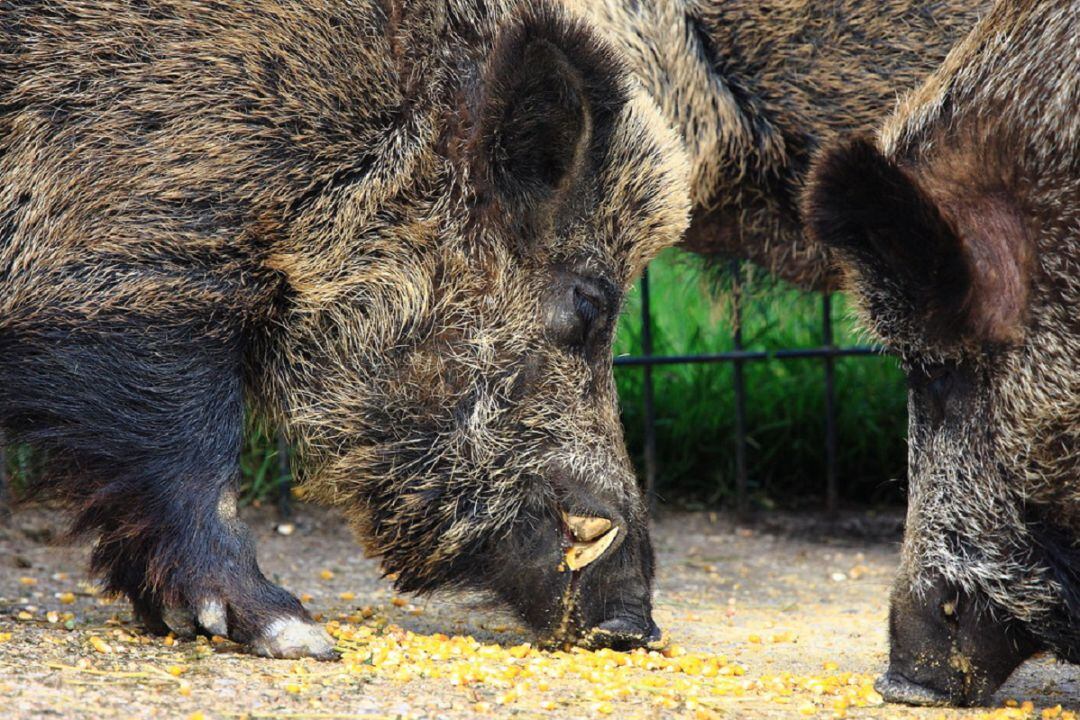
(895,688)
(624,633)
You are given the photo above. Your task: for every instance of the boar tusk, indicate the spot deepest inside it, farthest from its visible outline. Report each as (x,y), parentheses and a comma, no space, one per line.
(581,554)
(585,529)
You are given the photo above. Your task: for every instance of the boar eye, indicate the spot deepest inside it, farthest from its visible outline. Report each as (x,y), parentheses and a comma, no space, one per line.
(936,383)
(940,383)
(589,307)
(579,308)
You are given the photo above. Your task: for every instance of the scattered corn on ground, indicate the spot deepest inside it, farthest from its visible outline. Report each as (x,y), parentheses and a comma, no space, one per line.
(759,627)
(522,677)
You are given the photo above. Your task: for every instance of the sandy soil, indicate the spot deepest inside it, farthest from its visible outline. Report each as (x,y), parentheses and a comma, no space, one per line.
(778,595)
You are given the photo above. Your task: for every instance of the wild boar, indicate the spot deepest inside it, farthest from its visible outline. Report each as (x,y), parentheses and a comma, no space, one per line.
(755,87)
(401,230)
(960,230)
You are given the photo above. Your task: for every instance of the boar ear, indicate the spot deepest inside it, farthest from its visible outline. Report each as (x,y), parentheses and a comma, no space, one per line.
(958,285)
(547,86)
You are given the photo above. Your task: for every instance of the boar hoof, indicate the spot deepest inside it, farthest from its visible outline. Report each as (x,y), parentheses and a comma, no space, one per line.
(896,688)
(180,621)
(292,638)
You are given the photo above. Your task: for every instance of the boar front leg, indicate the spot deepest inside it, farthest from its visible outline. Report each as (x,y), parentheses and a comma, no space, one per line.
(141,423)
(202,574)
(216,586)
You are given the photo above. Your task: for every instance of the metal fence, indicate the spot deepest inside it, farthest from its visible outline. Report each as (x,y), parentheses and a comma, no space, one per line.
(827,353)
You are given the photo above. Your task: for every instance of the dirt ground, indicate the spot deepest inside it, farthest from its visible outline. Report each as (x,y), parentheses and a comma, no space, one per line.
(781,617)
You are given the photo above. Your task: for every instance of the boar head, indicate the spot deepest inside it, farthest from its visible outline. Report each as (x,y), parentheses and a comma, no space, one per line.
(459,399)
(955,256)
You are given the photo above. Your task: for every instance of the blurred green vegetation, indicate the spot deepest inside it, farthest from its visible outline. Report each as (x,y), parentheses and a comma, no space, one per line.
(695,403)
(785,399)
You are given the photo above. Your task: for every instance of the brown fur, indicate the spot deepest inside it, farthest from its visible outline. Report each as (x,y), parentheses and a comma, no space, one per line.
(973,283)
(401,230)
(755,88)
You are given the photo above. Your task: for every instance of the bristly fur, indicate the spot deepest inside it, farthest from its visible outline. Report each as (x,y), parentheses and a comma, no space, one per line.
(755,87)
(991,142)
(348,214)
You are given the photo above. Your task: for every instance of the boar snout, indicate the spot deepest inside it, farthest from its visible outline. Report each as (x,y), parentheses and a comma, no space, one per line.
(612,597)
(580,573)
(949,648)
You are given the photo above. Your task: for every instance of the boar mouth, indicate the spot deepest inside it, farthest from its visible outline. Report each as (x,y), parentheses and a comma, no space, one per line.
(585,540)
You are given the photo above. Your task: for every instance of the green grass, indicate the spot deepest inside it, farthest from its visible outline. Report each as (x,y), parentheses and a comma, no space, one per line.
(785,399)
(695,404)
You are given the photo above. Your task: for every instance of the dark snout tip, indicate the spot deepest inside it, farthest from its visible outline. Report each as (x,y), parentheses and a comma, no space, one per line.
(895,688)
(622,633)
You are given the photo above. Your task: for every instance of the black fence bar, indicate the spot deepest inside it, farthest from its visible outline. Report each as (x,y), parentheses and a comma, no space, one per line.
(746,355)
(832,493)
(650,416)
(742,495)
(827,353)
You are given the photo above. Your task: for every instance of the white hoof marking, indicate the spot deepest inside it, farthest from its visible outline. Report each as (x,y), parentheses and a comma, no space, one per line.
(291,637)
(212,617)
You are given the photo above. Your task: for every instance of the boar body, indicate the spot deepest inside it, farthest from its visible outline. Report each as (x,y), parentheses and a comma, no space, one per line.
(755,87)
(400,230)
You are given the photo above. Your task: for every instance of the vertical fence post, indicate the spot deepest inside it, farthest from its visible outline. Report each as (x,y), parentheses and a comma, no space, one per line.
(831,490)
(742,503)
(284,484)
(650,413)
